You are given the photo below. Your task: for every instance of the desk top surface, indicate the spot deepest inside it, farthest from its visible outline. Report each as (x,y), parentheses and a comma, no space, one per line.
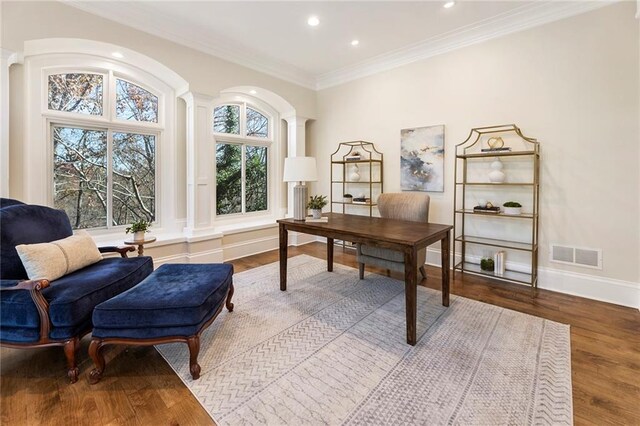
(372,228)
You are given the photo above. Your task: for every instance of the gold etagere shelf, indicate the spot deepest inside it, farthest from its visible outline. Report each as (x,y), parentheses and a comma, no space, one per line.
(467,153)
(367,162)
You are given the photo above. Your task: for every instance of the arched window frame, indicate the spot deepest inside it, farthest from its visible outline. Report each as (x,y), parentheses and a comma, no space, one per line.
(55,56)
(273,144)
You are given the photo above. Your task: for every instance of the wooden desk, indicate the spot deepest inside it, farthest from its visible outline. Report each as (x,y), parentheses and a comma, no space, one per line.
(406,237)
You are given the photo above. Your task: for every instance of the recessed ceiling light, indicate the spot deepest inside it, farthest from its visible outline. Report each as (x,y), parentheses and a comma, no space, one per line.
(313,21)
(117,55)
(449,4)
(253,92)
(355,42)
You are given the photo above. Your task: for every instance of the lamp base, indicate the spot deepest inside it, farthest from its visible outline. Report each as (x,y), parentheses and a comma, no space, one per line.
(299,202)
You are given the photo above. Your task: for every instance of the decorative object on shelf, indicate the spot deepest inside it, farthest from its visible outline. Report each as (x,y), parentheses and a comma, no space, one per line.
(347,198)
(353,156)
(488,207)
(138,229)
(496,175)
(422,159)
(498,260)
(300,170)
(487,264)
(495,142)
(355,174)
(315,204)
(522,237)
(512,208)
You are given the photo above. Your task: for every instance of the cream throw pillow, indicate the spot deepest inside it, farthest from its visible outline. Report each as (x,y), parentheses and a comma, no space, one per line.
(58,258)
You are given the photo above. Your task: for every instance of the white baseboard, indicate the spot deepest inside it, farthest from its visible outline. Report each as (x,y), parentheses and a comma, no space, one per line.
(175,258)
(298,239)
(619,292)
(250,247)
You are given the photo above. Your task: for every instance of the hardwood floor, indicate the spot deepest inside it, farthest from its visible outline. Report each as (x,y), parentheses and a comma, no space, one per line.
(140,388)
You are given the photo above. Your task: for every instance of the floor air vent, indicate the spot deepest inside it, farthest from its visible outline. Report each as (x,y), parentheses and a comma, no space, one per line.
(589,258)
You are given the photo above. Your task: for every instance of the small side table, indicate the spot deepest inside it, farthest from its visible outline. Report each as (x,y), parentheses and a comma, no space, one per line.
(140,244)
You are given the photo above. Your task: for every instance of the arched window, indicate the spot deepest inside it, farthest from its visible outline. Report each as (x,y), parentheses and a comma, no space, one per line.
(244,136)
(104,131)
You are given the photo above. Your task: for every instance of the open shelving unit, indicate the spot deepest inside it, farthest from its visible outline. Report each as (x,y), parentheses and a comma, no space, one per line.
(467,223)
(370,183)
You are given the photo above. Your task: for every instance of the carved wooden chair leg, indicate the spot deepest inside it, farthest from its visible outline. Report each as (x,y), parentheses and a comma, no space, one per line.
(229,296)
(95,352)
(70,349)
(423,272)
(361,270)
(194,349)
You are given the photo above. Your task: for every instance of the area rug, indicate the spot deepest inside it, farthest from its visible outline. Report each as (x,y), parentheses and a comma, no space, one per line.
(332,350)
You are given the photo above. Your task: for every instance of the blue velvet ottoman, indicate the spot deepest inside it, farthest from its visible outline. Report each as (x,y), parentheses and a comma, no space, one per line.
(173,304)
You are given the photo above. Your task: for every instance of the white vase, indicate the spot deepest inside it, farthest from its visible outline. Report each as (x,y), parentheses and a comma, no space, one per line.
(514,211)
(496,175)
(355,174)
(347,200)
(316,213)
(138,236)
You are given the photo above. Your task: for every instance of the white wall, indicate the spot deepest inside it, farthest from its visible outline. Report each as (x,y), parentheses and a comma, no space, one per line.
(571,84)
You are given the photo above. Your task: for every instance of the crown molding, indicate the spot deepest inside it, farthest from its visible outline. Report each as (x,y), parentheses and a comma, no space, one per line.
(160,25)
(519,19)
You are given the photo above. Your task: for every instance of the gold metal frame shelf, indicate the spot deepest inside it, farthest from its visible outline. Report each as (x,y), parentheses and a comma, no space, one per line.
(467,152)
(369,184)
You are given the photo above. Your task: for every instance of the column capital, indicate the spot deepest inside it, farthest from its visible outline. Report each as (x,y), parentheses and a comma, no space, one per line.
(192,98)
(295,119)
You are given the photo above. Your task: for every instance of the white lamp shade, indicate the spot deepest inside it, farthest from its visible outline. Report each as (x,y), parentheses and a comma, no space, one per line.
(300,169)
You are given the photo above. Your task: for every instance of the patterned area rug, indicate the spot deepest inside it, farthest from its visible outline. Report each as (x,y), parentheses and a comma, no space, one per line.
(332,350)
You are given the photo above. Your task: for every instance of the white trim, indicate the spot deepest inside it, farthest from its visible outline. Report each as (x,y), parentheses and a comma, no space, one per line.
(522,18)
(131,58)
(250,247)
(610,290)
(525,17)
(7,58)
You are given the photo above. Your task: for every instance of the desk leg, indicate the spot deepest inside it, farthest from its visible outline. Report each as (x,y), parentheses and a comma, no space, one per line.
(284,242)
(444,250)
(329,254)
(411,293)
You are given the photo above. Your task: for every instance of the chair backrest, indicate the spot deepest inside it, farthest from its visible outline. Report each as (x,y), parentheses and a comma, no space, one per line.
(413,206)
(27,224)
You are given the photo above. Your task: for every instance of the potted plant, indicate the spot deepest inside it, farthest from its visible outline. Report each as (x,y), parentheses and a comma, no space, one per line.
(512,208)
(138,229)
(315,204)
(347,198)
(487,264)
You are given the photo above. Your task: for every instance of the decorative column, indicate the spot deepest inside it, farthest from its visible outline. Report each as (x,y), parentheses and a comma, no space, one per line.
(7,58)
(296,140)
(200,164)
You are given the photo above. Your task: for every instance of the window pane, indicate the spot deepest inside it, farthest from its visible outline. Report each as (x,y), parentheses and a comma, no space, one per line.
(80,175)
(256,178)
(135,103)
(228,178)
(257,124)
(134,177)
(226,119)
(81,93)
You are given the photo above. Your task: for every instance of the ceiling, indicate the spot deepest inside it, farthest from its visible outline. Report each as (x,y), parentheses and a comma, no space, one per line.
(274,37)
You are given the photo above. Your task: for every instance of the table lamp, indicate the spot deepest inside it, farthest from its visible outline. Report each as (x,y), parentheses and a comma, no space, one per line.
(300,170)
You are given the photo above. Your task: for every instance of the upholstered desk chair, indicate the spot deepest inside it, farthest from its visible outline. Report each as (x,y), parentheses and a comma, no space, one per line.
(411,206)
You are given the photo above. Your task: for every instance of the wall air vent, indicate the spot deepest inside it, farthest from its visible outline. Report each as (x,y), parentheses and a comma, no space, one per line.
(577,256)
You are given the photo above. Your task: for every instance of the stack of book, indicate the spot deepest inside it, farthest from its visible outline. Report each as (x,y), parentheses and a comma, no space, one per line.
(482,209)
(361,201)
(499,263)
(504,149)
(352,157)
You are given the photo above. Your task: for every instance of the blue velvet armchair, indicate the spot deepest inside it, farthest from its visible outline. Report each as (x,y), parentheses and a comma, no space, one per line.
(57,313)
